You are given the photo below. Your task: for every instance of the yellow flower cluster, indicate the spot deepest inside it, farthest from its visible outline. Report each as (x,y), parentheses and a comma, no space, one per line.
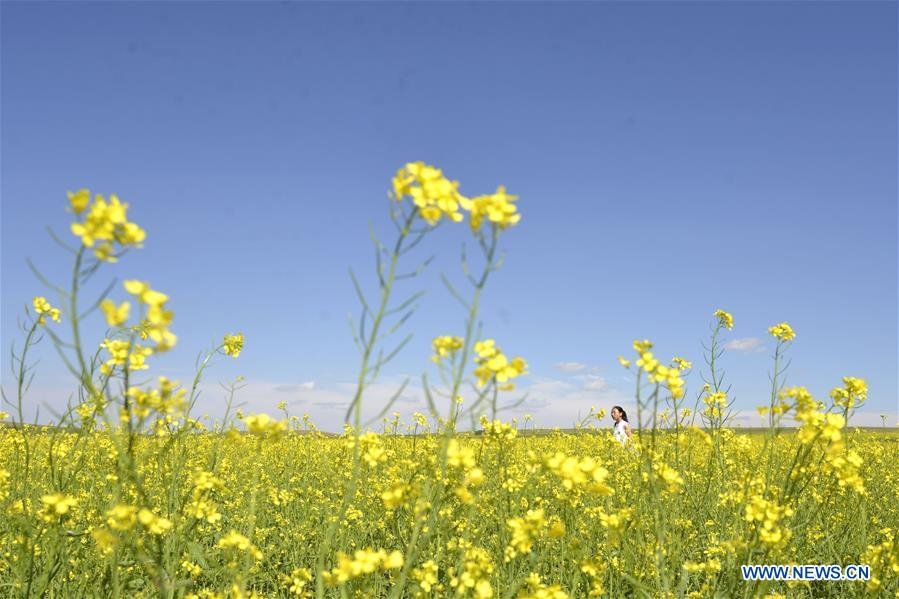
(158,318)
(853,392)
(433,194)
(363,561)
(445,346)
(156,525)
(202,505)
(233,344)
(827,427)
(122,353)
(846,466)
(298,583)
(807,411)
(524,530)
(715,402)
(371,447)
(883,558)
(574,473)
(493,365)
(121,517)
(783,332)
(770,515)
(105,224)
(671,378)
(168,400)
(474,576)
(437,197)
(55,507)
(725,319)
(426,576)
(681,364)
(461,458)
(497,429)
(670,477)
(193,570)
(616,524)
(43,309)
(396,496)
(537,590)
(4,474)
(264,425)
(658,372)
(116,316)
(497,207)
(105,540)
(234,541)
(595,570)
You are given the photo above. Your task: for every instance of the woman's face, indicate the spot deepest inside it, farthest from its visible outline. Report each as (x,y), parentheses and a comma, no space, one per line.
(616,415)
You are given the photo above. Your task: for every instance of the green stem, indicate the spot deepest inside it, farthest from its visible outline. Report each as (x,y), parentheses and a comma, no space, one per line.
(370,343)
(432,491)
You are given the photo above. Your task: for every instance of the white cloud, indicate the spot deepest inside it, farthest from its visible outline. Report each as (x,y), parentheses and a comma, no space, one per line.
(569,366)
(595,383)
(748,345)
(290,388)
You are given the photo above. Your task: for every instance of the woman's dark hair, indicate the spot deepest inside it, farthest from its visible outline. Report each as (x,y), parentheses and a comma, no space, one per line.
(623,413)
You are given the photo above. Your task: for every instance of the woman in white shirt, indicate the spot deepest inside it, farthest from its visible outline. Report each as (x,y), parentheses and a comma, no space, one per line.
(622,427)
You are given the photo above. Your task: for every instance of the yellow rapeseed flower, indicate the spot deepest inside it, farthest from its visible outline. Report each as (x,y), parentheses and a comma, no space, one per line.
(492,364)
(56,506)
(264,425)
(724,319)
(298,583)
(105,539)
(121,517)
(524,530)
(497,207)
(426,575)
(445,346)
(123,353)
(647,361)
(233,344)
(104,225)
(433,194)
(782,331)
(853,392)
(79,200)
(158,317)
(770,516)
(153,523)
(237,542)
(43,308)
(115,315)
(363,561)
(681,364)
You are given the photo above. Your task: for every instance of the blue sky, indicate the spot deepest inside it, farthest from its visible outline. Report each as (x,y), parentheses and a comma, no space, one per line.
(670,159)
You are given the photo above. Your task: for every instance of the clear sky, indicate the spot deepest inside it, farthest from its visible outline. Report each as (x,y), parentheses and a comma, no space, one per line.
(670,159)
